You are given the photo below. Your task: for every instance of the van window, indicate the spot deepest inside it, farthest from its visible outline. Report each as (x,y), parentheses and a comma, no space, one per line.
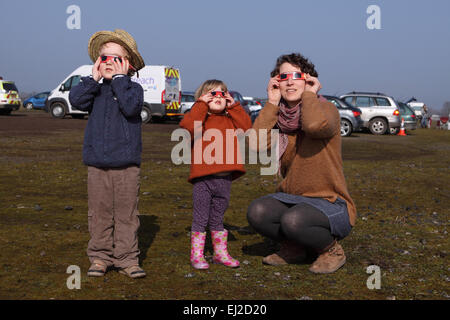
(75,81)
(9,86)
(67,84)
(187,98)
(71,82)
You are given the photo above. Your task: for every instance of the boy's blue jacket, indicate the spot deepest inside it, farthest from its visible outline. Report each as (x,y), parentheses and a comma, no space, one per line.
(113,136)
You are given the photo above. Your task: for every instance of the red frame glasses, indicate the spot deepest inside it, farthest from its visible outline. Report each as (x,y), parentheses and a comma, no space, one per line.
(292,75)
(215,93)
(105,58)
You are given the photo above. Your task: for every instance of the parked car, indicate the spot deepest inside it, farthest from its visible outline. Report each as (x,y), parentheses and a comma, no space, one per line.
(417,106)
(379,112)
(254,107)
(9,97)
(238,97)
(187,101)
(37,101)
(408,114)
(350,116)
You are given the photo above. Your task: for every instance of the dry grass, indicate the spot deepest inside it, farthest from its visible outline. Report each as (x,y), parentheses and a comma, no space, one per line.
(400,186)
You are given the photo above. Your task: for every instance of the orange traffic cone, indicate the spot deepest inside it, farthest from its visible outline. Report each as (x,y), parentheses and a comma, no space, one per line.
(402,129)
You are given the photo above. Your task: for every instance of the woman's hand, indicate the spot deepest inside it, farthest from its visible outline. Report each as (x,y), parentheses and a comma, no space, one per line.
(273,91)
(312,84)
(229,98)
(96,75)
(121,68)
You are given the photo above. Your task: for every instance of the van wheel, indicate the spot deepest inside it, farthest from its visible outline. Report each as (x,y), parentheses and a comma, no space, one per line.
(346,128)
(58,110)
(146,115)
(378,126)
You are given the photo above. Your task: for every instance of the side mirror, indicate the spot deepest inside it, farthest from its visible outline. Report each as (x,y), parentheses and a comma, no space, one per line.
(61,88)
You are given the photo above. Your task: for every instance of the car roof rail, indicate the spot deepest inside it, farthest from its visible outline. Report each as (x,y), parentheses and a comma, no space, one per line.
(364,92)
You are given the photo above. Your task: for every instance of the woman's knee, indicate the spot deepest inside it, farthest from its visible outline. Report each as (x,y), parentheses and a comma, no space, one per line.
(291,223)
(258,212)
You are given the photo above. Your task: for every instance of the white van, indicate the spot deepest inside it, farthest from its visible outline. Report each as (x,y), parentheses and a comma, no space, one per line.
(9,97)
(162,93)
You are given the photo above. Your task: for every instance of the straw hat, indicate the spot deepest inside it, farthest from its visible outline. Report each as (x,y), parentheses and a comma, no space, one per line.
(119,36)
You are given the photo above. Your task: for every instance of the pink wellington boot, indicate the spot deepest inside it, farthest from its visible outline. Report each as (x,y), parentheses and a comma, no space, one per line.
(221,255)
(197,245)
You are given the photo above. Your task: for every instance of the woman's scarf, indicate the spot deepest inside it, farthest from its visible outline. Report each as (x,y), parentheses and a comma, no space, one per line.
(289,122)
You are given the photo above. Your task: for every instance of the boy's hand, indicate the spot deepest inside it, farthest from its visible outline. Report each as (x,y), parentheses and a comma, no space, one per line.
(229,98)
(96,75)
(121,68)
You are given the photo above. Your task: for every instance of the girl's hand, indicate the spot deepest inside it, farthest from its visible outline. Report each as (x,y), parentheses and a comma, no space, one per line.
(121,68)
(273,91)
(312,84)
(207,98)
(96,75)
(229,98)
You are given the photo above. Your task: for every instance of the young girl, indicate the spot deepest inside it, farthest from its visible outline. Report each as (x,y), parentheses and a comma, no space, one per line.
(215,109)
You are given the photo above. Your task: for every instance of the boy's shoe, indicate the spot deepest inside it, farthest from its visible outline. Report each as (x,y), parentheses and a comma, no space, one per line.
(197,246)
(221,255)
(331,259)
(97,269)
(290,253)
(133,272)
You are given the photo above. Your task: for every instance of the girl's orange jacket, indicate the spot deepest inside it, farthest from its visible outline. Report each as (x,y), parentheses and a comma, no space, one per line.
(211,151)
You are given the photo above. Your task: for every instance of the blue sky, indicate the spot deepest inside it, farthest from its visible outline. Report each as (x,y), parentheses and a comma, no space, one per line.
(239,41)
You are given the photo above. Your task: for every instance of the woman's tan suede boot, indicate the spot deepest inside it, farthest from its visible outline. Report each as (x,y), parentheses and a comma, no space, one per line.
(330,259)
(289,253)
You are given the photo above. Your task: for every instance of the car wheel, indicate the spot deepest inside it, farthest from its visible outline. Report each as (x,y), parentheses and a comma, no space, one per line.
(29,106)
(346,128)
(146,115)
(394,130)
(58,110)
(378,126)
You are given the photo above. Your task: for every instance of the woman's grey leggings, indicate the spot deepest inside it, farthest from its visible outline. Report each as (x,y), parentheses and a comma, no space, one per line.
(301,223)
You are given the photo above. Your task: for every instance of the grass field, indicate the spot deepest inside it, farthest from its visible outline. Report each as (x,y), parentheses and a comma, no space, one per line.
(401,187)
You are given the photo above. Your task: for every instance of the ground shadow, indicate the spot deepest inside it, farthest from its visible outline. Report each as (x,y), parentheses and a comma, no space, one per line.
(268,246)
(146,234)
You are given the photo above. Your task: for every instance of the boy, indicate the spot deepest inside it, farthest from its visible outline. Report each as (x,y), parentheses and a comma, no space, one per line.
(112,151)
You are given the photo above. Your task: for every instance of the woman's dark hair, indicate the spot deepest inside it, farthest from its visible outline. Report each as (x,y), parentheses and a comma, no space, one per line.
(295,59)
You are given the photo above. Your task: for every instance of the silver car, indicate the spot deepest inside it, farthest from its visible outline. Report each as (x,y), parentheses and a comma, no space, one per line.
(350,116)
(379,111)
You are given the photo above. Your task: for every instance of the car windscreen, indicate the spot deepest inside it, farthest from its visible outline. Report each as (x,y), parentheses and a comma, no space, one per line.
(187,98)
(9,86)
